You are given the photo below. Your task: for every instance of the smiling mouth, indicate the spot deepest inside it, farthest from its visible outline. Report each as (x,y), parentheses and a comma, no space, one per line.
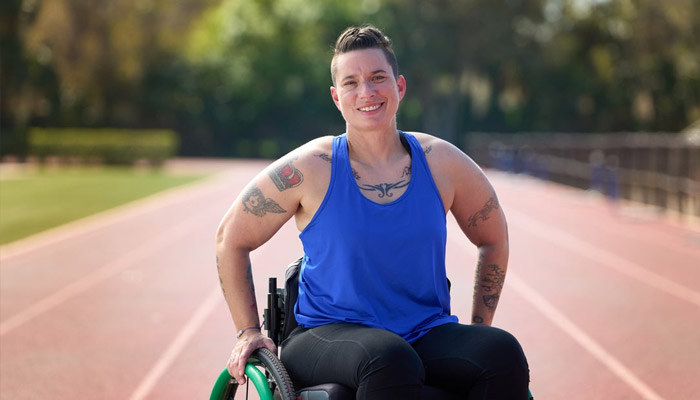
(370,108)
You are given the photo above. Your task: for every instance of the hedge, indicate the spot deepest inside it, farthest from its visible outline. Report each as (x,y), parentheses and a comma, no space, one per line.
(109,146)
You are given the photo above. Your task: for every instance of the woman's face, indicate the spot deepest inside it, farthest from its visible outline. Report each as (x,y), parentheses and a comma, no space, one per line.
(366,91)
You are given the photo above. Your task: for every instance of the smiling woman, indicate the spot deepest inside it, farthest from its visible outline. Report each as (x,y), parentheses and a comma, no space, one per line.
(31,202)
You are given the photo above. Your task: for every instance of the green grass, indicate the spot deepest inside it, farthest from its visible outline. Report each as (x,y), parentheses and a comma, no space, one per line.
(31,202)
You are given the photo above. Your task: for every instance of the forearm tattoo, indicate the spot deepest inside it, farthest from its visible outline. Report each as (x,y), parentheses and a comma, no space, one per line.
(483,214)
(488,284)
(254,202)
(286,176)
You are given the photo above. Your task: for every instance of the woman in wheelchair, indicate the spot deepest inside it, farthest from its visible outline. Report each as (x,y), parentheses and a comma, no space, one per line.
(373,303)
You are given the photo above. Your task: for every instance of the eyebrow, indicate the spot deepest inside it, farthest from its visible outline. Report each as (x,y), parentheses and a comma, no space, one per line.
(377,71)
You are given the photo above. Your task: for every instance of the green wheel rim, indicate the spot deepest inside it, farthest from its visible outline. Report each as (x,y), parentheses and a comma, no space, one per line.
(256,377)
(217,393)
(259,381)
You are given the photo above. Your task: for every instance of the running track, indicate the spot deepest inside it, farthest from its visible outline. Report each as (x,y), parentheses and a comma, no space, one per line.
(126,304)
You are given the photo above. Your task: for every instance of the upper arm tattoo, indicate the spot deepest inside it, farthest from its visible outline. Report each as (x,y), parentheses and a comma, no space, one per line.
(286,176)
(483,214)
(254,202)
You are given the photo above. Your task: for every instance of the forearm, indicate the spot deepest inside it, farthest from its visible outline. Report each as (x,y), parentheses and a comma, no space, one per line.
(236,279)
(488,282)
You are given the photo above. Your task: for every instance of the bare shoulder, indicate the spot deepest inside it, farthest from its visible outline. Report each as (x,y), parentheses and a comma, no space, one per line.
(443,157)
(301,163)
(461,182)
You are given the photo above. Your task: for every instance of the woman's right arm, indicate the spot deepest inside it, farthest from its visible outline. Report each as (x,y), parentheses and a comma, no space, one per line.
(261,209)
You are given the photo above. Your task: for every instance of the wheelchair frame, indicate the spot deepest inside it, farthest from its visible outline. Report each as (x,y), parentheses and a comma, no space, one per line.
(273,383)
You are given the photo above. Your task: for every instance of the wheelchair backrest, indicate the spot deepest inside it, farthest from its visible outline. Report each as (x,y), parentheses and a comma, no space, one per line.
(291,288)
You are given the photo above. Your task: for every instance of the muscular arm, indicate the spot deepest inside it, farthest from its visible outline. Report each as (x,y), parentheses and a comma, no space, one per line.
(490,269)
(468,194)
(486,228)
(254,217)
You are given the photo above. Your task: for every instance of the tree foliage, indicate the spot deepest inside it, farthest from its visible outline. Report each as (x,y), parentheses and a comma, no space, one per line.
(251,77)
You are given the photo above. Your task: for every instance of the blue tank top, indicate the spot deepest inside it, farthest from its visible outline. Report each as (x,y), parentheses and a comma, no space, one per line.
(378,265)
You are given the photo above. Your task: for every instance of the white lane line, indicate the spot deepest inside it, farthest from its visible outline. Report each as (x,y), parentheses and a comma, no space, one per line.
(571,329)
(604,258)
(107,271)
(580,337)
(177,345)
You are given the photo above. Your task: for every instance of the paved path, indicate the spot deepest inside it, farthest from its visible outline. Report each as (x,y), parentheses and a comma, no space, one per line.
(126,305)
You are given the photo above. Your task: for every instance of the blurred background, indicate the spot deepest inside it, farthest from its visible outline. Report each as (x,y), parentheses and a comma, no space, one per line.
(598,94)
(104,102)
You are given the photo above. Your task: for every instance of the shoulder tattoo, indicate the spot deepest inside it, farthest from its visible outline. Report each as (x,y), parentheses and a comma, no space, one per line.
(286,176)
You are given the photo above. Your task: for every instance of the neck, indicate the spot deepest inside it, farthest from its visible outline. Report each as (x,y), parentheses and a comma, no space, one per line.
(375,147)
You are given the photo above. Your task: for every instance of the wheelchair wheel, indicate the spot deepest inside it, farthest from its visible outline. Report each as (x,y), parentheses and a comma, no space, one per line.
(265,372)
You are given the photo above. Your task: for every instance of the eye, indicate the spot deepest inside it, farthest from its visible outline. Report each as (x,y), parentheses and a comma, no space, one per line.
(378,78)
(349,83)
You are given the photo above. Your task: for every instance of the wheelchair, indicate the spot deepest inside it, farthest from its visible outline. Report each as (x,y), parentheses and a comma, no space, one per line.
(266,372)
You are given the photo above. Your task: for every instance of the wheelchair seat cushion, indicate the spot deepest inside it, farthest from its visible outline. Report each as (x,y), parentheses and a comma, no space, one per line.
(327,391)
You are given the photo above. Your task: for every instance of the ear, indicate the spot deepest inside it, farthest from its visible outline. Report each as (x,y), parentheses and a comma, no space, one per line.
(334,95)
(401,85)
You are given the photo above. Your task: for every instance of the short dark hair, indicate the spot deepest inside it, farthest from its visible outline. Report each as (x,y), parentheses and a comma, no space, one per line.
(364,37)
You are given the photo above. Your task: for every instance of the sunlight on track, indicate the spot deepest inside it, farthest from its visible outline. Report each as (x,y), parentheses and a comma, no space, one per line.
(604,258)
(578,335)
(178,344)
(572,330)
(107,271)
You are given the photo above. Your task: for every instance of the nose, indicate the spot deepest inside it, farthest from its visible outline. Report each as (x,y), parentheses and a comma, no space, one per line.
(366,90)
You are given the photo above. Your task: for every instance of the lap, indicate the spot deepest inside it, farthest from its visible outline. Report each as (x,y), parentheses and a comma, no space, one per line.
(345,353)
(458,358)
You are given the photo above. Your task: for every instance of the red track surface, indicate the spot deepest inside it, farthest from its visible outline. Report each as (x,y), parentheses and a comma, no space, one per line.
(126,305)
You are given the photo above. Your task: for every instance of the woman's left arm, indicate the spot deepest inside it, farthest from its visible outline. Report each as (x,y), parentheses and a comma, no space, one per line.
(478,212)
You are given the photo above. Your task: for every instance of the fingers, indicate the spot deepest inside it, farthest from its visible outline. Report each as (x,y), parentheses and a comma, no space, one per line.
(243,350)
(270,345)
(236,366)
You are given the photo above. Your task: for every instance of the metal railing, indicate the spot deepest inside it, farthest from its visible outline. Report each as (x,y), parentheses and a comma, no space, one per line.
(661,170)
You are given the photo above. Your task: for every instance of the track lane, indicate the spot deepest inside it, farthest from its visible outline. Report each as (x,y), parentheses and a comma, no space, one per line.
(106,339)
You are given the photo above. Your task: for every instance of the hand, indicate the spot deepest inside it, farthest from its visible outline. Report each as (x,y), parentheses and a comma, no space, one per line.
(244,347)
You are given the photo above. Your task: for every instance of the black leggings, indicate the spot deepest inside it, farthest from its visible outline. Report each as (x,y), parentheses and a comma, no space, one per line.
(468,361)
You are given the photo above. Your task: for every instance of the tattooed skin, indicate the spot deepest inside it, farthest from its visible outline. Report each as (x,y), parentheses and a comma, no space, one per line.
(427,149)
(326,157)
(483,214)
(490,279)
(384,189)
(251,285)
(254,202)
(286,176)
(406,171)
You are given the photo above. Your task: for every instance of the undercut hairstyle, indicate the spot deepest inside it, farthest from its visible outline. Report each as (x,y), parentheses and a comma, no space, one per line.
(360,38)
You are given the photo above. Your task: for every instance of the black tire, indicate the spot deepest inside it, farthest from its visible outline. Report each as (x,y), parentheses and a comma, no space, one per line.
(277,377)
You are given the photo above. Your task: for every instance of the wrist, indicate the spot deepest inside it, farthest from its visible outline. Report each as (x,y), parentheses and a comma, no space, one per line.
(253,328)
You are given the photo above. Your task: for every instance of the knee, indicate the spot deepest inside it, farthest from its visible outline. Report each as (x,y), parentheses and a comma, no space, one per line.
(394,359)
(507,357)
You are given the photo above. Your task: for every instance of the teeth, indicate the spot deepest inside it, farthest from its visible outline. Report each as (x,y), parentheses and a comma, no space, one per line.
(372,108)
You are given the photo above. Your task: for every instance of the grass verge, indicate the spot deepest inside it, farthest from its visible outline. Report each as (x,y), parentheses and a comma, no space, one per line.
(33,201)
